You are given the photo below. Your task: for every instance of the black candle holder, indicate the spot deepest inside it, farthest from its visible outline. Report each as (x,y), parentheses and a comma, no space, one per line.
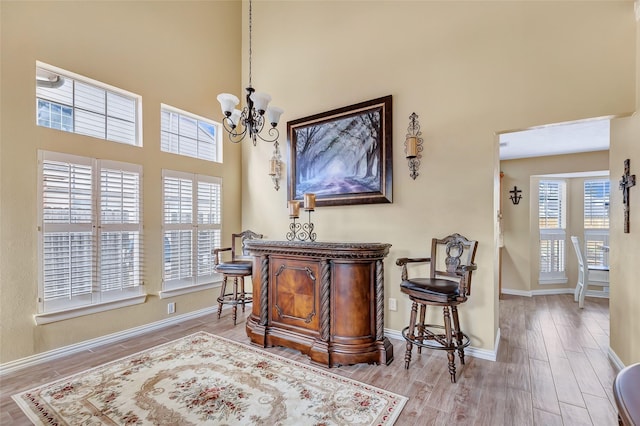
(301,231)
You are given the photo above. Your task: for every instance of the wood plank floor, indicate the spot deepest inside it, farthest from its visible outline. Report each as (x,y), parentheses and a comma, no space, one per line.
(552,369)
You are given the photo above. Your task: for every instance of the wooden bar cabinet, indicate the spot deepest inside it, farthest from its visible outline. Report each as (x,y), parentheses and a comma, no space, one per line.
(323,299)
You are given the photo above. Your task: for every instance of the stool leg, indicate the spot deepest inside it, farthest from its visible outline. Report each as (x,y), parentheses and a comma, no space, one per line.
(410,334)
(235,299)
(421,336)
(457,332)
(449,342)
(221,297)
(242,294)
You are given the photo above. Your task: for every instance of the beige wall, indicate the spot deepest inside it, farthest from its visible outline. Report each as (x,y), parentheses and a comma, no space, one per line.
(469,70)
(625,290)
(520,262)
(178,53)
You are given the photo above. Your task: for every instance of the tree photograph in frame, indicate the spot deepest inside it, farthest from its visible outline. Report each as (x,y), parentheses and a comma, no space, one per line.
(344,156)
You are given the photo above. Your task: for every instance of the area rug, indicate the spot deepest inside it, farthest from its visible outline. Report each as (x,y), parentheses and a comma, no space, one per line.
(204,379)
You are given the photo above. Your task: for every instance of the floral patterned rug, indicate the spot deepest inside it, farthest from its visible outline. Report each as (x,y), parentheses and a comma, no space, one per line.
(204,379)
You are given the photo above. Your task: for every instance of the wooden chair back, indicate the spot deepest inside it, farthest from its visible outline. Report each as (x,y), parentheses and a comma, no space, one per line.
(452,258)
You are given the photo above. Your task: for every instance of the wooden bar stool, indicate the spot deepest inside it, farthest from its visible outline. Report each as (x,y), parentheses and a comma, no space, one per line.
(447,286)
(239,266)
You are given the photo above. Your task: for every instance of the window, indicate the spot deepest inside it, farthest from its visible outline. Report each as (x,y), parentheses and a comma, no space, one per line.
(552,224)
(186,134)
(596,221)
(192,227)
(72,103)
(90,233)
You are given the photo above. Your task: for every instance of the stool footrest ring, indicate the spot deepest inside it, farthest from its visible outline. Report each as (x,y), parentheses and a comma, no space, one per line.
(231,300)
(429,339)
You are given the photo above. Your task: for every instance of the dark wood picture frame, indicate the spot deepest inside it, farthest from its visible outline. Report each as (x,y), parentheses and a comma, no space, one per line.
(344,156)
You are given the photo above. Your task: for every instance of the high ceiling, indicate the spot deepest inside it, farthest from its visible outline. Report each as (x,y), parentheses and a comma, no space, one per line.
(565,138)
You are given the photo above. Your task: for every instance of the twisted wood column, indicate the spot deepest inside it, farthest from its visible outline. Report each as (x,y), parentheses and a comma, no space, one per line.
(264,289)
(325,297)
(379,300)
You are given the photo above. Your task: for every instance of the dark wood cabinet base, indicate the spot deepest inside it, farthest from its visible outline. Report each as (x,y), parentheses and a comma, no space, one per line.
(334,355)
(325,300)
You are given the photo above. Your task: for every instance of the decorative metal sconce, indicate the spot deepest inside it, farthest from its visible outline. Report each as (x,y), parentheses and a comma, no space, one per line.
(413,145)
(515,196)
(275,166)
(304,231)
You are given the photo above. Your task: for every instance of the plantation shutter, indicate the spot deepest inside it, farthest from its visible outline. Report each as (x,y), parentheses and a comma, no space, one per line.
(596,204)
(120,226)
(178,224)
(551,222)
(68,240)
(596,221)
(209,194)
(192,227)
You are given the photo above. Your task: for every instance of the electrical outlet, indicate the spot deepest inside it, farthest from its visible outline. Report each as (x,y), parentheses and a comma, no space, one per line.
(171,308)
(393,304)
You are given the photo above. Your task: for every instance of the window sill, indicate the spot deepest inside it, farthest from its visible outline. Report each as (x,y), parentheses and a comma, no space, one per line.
(50,317)
(186,290)
(552,281)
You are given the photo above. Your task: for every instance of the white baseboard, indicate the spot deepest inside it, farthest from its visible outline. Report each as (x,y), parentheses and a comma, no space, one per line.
(12,366)
(615,359)
(531,293)
(472,351)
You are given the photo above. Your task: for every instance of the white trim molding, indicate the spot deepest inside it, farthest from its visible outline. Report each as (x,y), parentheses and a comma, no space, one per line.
(531,293)
(480,353)
(615,359)
(12,366)
(636,8)
(50,317)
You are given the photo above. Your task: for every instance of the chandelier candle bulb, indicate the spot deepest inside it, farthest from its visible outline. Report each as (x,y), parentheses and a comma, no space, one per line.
(294,209)
(412,147)
(273,164)
(309,201)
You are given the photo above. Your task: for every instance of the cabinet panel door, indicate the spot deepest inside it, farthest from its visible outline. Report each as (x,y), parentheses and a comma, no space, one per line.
(352,301)
(294,292)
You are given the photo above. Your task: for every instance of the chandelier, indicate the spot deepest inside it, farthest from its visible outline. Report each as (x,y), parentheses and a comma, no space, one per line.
(251,120)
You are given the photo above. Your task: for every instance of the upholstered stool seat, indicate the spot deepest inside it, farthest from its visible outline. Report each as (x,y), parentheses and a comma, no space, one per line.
(243,267)
(436,290)
(238,267)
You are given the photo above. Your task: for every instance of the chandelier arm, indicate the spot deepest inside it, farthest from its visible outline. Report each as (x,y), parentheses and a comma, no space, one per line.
(235,136)
(274,134)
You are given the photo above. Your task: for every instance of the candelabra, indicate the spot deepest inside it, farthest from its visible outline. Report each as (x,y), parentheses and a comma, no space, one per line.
(302,231)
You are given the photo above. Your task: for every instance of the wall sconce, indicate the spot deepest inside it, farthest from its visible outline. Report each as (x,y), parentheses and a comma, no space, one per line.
(275,166)
(515,196)
(413,145)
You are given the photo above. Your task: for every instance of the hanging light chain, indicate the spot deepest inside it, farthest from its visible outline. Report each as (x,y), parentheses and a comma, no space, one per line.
(250,37)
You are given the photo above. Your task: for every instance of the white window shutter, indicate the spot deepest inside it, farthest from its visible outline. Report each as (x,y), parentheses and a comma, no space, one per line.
(192,226)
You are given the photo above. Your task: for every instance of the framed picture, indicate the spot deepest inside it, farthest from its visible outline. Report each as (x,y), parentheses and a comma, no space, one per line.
(344,156)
